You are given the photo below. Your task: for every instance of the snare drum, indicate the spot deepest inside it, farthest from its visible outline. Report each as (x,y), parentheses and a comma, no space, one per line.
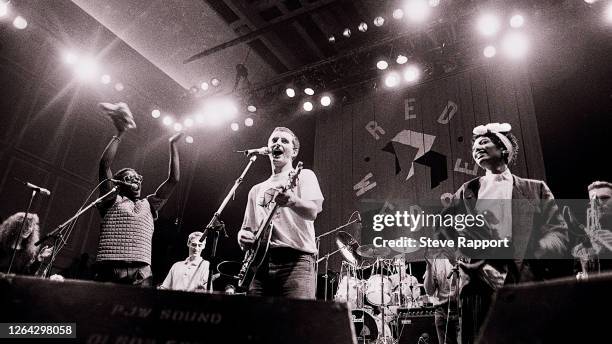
(378,289)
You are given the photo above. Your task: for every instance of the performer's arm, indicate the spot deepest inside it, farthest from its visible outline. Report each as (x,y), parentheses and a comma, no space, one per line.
(165,189)
(554,239)
(311,201)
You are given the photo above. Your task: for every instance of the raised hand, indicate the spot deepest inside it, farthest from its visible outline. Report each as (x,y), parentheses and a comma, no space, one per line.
(175,137)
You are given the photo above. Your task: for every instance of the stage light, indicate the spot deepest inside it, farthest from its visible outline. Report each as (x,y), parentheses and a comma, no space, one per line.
(398,14)
(189,139)
(119,87)
(590,1)
(411,73)
(215,82)
(363,27)
(251,108)
(155,113)
(325,100)
(379,21)
(609,13)
(488,25)
(70,58)
(309,91)
(105,79)
(248,122)
(489,51)
(193,90)
(235,126)
(307,106)
(331,39)
(515,45)
(218,111)
(188,123)
(199,118)
(401,59)
(346,33)
(204,86)
(229,108)
(86,69)
(20,22)
(517,21)
(434,3)
(178,127)
(167,120)
(382,64)
(290,92)
(417,10)
(3,8)
(392,79)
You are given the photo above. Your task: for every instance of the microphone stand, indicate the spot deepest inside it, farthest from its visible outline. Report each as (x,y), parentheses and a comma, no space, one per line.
(59,235)
(215,226)
(25,218)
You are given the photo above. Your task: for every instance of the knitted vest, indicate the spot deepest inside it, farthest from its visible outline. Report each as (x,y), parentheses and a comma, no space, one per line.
(126,232)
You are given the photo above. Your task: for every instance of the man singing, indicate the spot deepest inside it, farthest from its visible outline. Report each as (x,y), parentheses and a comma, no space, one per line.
(288,269)
(124,249)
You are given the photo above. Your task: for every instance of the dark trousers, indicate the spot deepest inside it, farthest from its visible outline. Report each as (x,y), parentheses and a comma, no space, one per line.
(285,272)
(132,273)
(445,320)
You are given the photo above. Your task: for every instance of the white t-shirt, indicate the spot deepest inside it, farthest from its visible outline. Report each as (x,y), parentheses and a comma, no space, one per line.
(290,229)
(187,275)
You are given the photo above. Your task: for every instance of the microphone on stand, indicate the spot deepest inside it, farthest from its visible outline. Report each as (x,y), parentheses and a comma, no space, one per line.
(41,190)
(132,186)
(260,151)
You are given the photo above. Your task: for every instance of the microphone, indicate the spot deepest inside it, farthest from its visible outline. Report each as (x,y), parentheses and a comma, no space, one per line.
(260,151)
(37,188)
(359,217)
(132,186)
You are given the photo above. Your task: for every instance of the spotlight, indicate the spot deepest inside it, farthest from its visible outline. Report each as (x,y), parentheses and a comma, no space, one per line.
(215,82)
(86,69)
(379,21)
(331,39)
(251,108)
(199,118)
(119,87)
(70,58)
(609,13)
(188,123)
(178,127)
(488,25)
(167,120)
(392,79)
(155,113)
(20,23)
(411,73)
(363,27)
(417,10)
(382,65)
(189,139)
(515,45)
(234,126)
(325,100)
(434,3)
(307,106)
(193,90)
(590,1)
(3,8)
(489,51)
(401,59)
(105,79)
(290,92)
(346,33)
(309,91)
(517,21)
(398,14)
(204,86)
(248,122)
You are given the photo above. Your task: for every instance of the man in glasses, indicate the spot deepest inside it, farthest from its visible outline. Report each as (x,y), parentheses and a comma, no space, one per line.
(124,249)
(190,274)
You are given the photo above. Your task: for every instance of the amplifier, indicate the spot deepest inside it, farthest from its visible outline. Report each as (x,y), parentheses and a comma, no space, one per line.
(417,326)
(107,313)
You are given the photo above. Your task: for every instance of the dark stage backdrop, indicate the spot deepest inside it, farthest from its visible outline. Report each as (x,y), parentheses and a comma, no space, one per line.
(414,144)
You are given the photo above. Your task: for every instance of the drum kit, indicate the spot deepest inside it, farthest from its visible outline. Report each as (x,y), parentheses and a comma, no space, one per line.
(375,283)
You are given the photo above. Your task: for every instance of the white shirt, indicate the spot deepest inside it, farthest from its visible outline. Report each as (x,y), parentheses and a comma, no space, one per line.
(495,198)
(187,275)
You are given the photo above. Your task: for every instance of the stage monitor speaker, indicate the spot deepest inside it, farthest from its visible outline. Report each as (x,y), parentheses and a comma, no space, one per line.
(110,313)
(556,311)
(417,326)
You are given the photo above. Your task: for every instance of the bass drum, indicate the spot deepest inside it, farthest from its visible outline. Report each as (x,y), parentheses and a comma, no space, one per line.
(378,290)
(366,326)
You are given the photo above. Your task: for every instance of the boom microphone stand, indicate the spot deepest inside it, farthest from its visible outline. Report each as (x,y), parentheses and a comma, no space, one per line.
(25,218)
(215,226)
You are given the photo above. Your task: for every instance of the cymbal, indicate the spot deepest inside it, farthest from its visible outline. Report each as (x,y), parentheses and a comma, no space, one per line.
(371,251)
(347,246)
(406,250)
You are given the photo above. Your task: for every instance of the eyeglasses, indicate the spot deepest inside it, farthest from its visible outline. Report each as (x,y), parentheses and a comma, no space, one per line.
(133,178)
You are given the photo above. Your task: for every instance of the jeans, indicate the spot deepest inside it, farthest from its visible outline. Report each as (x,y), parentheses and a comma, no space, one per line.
(285,272)
(442,318)
(133,273)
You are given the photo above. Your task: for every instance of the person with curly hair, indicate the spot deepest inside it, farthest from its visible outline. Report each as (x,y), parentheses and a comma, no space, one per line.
(27,255)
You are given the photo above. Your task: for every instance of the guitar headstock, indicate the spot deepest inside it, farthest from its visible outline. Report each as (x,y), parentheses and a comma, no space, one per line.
(293,176)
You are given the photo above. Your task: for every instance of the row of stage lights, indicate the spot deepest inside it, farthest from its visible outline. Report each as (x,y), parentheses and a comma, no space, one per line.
(86,69)
(19,22)
(308,105)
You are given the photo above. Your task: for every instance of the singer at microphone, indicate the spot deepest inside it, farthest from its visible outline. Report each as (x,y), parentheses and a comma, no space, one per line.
(125,214)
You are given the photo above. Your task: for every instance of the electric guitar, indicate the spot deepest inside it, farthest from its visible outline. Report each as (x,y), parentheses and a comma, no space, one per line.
(254,257)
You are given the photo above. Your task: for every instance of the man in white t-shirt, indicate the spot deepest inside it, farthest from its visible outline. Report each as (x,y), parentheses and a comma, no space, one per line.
(190,274)
(289,268)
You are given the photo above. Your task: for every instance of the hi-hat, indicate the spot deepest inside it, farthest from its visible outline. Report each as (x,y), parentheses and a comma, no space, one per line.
(371,251)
